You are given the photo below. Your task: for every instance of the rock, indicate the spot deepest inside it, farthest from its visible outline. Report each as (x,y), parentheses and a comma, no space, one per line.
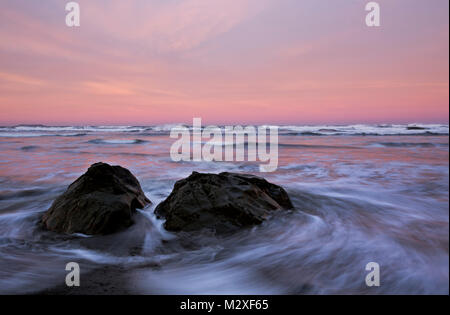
(415,128)
(223,202)
(101,201)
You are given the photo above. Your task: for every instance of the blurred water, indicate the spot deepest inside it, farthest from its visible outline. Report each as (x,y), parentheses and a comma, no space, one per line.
(358,199)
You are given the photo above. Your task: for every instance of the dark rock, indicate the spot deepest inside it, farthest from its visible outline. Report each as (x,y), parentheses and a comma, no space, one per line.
(327,130)
(223,202)
(415,128)
(101,201)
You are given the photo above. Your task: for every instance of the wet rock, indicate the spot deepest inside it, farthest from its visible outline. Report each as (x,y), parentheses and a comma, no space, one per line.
(101,201)
(223,202)
(415,128)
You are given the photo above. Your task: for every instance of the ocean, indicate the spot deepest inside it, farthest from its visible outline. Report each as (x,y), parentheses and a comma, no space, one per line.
(362,193)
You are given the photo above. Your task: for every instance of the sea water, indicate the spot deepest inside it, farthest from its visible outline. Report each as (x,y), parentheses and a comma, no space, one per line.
(362,193)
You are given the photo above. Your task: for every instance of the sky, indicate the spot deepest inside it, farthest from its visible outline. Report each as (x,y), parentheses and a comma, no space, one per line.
(143,62)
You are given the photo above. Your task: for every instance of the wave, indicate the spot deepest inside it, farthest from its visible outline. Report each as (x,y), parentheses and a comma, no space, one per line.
(33,128)
(287,130)
(407,145)
(38,134)
(313,146)
(366,130)
(117,141)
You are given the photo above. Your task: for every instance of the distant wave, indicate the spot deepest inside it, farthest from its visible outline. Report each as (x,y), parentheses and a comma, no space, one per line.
(117,141)
(407,144)
(292,130)
(34,128)
(38,134)
(312,146)
(366,130)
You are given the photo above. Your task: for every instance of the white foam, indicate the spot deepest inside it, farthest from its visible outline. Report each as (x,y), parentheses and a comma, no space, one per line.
(357,129)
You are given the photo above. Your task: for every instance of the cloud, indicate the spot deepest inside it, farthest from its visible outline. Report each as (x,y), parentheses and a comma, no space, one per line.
(171,59)
(108,88)
(19,79)
(172,26)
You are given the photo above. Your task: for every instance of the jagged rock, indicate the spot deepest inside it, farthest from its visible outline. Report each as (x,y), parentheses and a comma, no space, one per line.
(223,202)
(101,201)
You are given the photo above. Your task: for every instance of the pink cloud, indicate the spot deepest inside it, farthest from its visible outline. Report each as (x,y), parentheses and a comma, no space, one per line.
(139,62)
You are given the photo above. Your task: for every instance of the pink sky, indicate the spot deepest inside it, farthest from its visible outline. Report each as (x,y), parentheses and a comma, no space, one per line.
(248,61)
